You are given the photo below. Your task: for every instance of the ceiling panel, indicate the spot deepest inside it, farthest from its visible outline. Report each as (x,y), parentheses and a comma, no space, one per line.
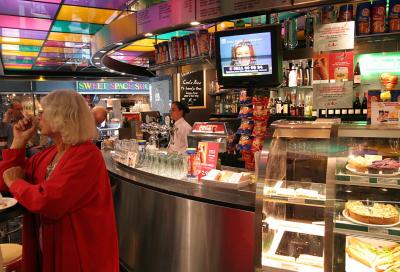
(48,1)
(139,48)
(8,40)
(19,53)
(75,27)
(23,33)
(67,44)
(28,8)
(18,66)
(86,15)
(25,48)
(24,22)
(18,61)
(69,37)
(48,49)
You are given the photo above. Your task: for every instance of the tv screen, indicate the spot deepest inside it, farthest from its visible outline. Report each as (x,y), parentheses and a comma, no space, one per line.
(249,57)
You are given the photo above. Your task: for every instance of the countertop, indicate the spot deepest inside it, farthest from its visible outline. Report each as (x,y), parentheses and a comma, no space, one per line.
(243,198)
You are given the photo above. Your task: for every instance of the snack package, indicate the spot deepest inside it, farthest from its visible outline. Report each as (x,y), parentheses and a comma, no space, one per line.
(258,144)
(259,129)
(260,106)
(246,112)
(245,143)
(363,22)
(378,16)
(345,13)
(244,99)
(394,15)
(246,127)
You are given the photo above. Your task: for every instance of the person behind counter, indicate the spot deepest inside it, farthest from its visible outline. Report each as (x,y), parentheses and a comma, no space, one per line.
(100,115)
(70,223)
(179,142)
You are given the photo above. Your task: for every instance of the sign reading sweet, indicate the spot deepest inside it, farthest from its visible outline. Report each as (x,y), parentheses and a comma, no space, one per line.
(130,87)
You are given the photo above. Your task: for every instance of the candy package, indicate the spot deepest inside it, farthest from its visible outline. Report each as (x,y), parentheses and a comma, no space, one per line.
(246,112)
(246,127)
(259,129)
(258,144)
(260,108)
(244,99)
(245,143)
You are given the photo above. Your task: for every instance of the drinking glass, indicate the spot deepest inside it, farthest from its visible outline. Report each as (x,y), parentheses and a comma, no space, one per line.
(291,41)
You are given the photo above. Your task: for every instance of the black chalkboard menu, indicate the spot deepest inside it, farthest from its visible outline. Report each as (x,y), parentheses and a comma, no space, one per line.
(192,89)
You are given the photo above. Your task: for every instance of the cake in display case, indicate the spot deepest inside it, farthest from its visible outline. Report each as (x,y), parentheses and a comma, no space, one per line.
(328,198)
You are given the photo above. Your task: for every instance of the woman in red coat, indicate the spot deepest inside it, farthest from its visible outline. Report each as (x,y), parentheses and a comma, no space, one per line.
(70,223)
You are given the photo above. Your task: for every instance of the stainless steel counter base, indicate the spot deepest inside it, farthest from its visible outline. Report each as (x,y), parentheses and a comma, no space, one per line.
(162,231)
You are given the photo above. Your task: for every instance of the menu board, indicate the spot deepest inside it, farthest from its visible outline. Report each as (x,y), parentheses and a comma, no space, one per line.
(165,15)
(211,9)
(333,95)
(336,36)
(191,89)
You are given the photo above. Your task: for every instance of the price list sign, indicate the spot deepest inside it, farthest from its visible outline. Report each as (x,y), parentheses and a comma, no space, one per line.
(191,89)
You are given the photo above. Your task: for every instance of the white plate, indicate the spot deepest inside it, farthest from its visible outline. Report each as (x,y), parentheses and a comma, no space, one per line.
(8,202)
(228,185)
(351,169)
(347,216)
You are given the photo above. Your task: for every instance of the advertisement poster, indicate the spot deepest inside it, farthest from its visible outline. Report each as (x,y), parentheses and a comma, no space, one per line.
(336,36)
(333,95)
(385,113)
(375,96)
(380,70)
(321,68)
(208,152)
(341,66)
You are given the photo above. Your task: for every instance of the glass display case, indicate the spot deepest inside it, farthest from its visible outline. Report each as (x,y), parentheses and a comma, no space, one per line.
(328,198)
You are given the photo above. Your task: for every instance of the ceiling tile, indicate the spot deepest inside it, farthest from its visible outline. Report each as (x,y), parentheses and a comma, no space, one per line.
(48,1)
(19,53)
(75,27)
(67,44)
(69,37)
(24,22)
(114,4)
(25,48)
(22,33)
(86,15)
(8,40)
(61,50)
(139,48)
(19,66)
(28,8)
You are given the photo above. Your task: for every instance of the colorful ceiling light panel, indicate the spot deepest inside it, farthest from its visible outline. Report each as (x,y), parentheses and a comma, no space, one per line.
(24,22)
(69,37)
(23,33)
(29,8)
(75,27)
(67,44)
(86,15)
(52,34)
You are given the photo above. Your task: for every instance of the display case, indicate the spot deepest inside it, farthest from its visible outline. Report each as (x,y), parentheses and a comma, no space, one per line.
(367,199)
(328,198)
(219,132)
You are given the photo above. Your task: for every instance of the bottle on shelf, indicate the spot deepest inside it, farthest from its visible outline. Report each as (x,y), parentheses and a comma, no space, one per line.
(272,106)
(299,74)
(357,74)
(293,106)
(286,107)
(364,105)
(217,105)
(292,76)
(285,77)
(357,105)
(278,106)
(306,75)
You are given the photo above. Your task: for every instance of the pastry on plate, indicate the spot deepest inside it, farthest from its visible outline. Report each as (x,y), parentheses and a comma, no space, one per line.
(378,214)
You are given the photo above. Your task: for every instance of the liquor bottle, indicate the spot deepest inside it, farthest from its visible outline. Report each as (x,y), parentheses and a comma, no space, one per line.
(306,75)
(217,106)
(285,77)
(272,106)
(301,109)
(286,107)
(292,76)
(310,71)
(293,106)
(357,74)
(364,105)
(278,107)
(299,72)
(357,105)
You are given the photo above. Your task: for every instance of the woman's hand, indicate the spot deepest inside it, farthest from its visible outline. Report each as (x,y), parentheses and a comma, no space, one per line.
(23,132)
(12,174)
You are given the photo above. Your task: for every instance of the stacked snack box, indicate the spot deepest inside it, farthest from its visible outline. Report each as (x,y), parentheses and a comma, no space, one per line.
(254,114)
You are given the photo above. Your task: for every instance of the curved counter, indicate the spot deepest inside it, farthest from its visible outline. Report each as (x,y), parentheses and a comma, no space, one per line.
(172,225)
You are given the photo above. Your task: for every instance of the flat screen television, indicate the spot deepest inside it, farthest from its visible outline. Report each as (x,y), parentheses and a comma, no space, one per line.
(249,57)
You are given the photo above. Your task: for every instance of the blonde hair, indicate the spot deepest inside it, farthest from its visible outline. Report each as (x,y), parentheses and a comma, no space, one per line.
(67,112)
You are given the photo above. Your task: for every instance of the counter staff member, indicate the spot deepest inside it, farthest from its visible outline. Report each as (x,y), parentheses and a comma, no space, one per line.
(179,142)
(70,223)
(100,115)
